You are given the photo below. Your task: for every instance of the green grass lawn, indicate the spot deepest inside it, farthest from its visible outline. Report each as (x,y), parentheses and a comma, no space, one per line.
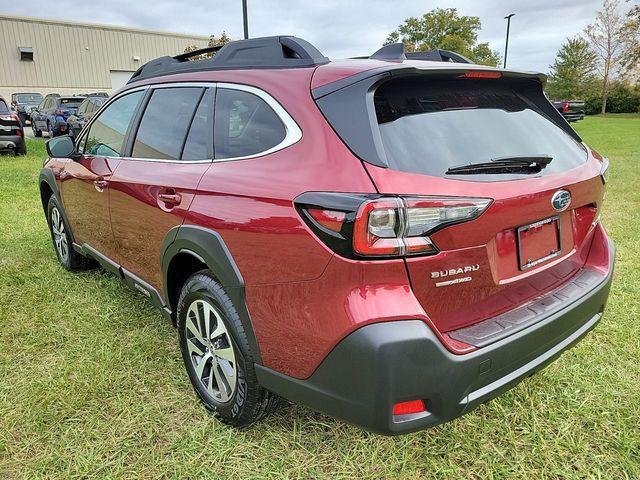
(92,383)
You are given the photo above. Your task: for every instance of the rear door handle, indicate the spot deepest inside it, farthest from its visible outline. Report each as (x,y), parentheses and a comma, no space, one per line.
(170,198)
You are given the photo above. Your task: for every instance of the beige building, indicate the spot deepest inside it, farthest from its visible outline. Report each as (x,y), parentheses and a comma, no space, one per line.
(52,56)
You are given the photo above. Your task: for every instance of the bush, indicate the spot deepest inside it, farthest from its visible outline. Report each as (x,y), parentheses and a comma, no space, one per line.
(621,99)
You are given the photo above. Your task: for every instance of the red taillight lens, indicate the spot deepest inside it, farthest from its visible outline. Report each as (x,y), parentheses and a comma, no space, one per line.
(400,226)
(10,118)
(330,219)
(407,408)
(565,107)
(377,228)
(482,74)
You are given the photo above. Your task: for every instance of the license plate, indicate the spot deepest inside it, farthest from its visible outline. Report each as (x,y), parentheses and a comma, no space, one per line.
(538,242)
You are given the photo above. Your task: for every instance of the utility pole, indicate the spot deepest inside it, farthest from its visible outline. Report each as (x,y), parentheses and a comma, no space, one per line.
(245,21)
(506,45)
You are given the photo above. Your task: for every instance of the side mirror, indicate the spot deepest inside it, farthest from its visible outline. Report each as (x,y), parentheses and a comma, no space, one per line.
(61,147)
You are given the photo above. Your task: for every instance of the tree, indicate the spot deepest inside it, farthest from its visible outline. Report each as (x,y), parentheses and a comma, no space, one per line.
(607,37)
(213,41)
(444,28)
(573,70)
(631,32)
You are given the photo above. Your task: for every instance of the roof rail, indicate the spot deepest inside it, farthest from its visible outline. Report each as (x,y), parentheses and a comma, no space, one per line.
(396,52)
(264,52)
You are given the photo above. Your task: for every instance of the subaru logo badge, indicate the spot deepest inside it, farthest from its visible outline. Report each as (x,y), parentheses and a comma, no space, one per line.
(560,200)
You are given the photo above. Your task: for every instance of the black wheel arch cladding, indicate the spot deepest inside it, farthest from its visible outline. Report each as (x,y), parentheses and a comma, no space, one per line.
(208,247)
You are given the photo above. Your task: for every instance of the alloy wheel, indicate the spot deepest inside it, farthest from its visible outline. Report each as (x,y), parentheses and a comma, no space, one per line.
(210,349)
(59,235)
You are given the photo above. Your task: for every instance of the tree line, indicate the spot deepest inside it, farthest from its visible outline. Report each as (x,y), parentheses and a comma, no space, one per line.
(601,65)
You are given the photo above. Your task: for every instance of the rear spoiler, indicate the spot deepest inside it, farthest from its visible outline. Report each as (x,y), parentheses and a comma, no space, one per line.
(417,67)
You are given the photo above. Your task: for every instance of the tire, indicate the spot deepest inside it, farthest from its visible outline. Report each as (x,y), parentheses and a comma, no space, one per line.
(22,149)
(62,242)
(50,130)
(36,132)
(240,402)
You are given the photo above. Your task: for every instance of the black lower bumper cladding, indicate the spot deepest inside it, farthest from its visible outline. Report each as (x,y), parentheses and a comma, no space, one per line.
(382,364)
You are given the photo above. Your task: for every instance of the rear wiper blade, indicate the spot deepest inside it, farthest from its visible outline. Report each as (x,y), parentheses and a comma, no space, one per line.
(520,164)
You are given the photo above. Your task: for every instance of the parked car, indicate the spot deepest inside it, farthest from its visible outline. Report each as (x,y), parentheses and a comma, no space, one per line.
(52,114)
(86,110)
(390,240)
(571,110)
(22,103)
(11,131)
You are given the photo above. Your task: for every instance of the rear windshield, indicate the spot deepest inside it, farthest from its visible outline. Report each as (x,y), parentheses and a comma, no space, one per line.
(429,126)
(28,98)
(70,102)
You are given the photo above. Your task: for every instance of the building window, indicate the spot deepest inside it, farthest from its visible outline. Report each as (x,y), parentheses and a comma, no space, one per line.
(26,54)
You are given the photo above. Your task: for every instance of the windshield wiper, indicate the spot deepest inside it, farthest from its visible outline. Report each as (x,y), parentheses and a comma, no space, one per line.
(523,164)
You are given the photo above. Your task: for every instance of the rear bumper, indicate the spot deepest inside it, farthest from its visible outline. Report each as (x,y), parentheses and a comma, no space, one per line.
(10,142)
(573,117)
(382,364)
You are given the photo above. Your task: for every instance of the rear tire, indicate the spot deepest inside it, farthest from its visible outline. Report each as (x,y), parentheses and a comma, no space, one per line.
(62,241)
(36,133)
(22,149)
(217,354)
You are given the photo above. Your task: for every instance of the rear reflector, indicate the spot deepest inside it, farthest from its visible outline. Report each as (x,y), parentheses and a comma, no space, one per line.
(482,74)
(407,408)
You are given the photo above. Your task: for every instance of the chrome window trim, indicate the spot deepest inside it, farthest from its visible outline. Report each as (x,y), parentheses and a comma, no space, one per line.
(293,133)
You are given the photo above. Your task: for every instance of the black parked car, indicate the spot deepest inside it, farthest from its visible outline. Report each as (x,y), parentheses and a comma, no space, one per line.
(571,110)
(52,114)
(86,110)
(11,131)
(22,103)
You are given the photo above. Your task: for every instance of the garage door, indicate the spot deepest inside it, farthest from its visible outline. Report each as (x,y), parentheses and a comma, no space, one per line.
(119,78)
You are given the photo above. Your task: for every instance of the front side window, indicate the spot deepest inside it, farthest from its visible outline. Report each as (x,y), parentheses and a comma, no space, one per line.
(244,125)
(165,122)
(107,133)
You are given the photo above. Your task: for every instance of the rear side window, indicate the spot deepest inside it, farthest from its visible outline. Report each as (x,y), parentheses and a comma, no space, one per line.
(165,122)
(3,107)
(244,125)
(429,126)
(199,140)
(106,136)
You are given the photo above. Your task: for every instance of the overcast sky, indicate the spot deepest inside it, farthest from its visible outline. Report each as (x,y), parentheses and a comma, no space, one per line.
(339,28)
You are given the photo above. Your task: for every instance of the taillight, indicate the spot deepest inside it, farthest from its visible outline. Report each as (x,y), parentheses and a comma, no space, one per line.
(482,74)
(565,106)
(10,118)
(328,218)
(400,226)
(60,112)
(359,226)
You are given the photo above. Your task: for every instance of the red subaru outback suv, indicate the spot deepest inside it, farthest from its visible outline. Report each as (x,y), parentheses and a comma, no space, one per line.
(391,240)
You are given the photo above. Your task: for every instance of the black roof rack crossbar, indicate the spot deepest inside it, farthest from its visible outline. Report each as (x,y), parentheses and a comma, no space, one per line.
(264,52)
(396,52)
(198,52)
